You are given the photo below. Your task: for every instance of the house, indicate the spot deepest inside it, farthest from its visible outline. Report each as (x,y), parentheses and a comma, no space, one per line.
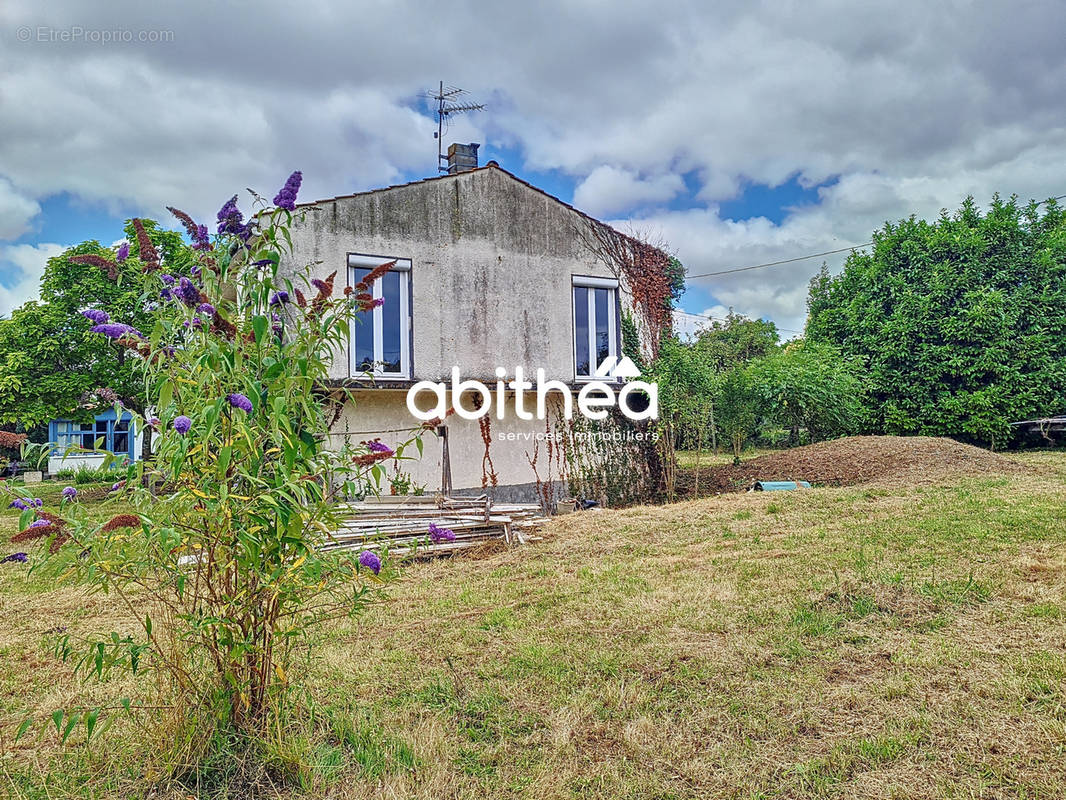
(491,275)
(116,435)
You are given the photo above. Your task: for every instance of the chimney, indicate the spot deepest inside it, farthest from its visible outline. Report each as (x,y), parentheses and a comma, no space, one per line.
(462,157)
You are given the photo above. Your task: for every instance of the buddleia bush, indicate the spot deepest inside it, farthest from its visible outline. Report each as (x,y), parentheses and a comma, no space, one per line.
(216,552)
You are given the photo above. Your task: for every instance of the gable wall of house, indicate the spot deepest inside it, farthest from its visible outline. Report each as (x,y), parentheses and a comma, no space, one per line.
(491,281)
(492,261)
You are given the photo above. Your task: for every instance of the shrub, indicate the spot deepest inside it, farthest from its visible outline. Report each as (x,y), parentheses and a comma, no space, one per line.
(807,385)
(236,363)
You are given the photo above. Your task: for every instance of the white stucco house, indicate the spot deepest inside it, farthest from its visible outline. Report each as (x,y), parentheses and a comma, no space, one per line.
(491,274)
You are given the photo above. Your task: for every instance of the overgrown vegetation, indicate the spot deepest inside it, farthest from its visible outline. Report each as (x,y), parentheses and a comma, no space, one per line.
(734,384)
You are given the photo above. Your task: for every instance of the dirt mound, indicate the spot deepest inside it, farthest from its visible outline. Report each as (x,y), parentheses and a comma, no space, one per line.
(856,459)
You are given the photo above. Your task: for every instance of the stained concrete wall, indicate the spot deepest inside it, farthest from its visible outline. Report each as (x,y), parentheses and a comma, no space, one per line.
(514,443)
(492,261)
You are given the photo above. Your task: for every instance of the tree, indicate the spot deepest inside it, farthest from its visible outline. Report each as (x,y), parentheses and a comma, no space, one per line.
(960,323)
(686,384)
(737,340)
(736,409)
(50,364)
(807,385)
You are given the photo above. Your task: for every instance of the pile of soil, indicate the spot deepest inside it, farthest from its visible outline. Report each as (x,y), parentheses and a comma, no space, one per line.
(856,459)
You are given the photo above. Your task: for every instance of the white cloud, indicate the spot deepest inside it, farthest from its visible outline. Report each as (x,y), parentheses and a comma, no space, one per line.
(608,190)
(907,109)
(688,324)
(22,266)
(16,211)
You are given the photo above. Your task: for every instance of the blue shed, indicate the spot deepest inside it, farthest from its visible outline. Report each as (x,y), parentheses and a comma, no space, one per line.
(118,434)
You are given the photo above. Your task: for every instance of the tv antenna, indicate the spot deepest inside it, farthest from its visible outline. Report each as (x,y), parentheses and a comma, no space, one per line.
(449,101)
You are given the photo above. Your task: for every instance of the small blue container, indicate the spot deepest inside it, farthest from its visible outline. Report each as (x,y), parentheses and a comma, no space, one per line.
(779,486)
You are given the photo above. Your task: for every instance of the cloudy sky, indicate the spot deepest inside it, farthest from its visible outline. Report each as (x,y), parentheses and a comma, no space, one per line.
(738,132)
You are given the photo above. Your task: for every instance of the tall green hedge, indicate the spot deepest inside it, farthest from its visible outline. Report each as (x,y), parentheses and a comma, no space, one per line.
(960,322)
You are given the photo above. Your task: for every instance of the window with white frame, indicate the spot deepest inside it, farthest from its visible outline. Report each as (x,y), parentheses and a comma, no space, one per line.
(595,323)
(381,337)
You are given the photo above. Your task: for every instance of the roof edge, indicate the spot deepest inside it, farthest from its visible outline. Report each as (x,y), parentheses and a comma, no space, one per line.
(490,165)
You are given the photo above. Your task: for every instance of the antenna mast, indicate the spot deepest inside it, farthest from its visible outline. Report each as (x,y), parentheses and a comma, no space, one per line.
(447,97)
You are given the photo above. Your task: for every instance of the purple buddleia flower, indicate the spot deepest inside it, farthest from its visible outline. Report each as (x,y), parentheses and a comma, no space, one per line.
(123,252)
(371,561)
(202,240)
(187,292)
(230,219)
(153,422)
(116,330)
(96,316)
(40,523)
(196,323)
(18,503)
(238,400)
(166,294)
(438,534)
(286,197)
(378,303)
(116,486)
(379,447)
(321,285)
(70,493)
(21,558)
(206,309)
(194,270)
(182,424)
(279,298)
(168,280)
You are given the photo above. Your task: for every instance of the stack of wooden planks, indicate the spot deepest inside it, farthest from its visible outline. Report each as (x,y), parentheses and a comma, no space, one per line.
(401,524)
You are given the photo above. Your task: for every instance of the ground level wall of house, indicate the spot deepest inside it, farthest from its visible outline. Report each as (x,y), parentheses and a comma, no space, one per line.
(517,452)
(77,461)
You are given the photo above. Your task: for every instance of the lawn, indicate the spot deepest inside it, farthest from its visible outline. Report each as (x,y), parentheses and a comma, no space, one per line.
(686,459)
(864,642)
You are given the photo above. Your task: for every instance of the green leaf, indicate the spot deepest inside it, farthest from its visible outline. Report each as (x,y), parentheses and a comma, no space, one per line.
(72,721)
(90,723)
(25,726)
(57,718)
(260,325)
(166,395)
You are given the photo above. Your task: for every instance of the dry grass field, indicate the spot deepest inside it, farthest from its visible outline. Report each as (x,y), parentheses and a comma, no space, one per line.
(886,640)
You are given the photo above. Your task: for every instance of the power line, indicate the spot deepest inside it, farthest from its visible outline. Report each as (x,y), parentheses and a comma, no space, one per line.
(812,255)
(724,319)
(777,263)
